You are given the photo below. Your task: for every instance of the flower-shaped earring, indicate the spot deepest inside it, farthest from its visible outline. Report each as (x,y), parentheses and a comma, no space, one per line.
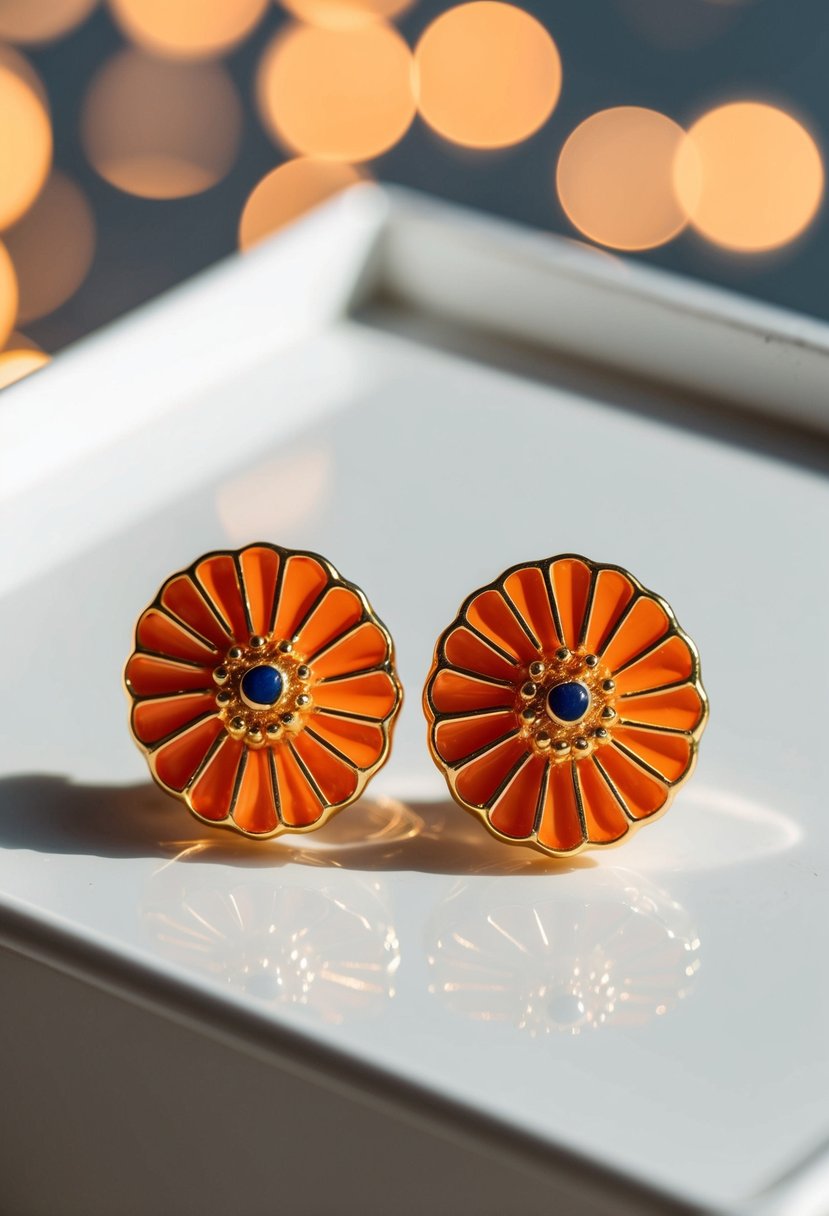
(263,689)
(565,705)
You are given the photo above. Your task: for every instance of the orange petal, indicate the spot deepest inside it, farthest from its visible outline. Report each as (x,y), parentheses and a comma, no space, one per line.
(373,694)
(561,827)
(646,622)
(455,738)
(463,648)
(302,581)
(158,632)
(336,779)
(490,613)
(363,648)
(478,780)
(153,720)
(666,664)
(642,794)
(571,586)
(219,578)
(299,803)
(528,590)
(604,817)
(255,807)
(514,810)
(338,611)
(362,743)
(212,792)
(175,762)
(148,676)
(260,568)
(669,754)
(679,708)
(183,599)
(611,595)
(453,692)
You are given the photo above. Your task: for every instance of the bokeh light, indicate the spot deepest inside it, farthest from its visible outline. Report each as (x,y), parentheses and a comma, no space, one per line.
(488,75)
(184,30)
(8,295)
(25,137)
(41,20)
(15,364)
(615,178)
(287,192)
(345,14)
(52,248)
(749,176)
(160,129)
(337,94)
(20,341)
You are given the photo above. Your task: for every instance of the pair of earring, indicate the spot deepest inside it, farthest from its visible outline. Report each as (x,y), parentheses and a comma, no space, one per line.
(564,702)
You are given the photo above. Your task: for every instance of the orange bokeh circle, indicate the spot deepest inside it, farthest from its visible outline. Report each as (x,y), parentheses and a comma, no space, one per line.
(337,94)
(750,176)
(345,14)
(615,178)
(41,20)
(52,248)
(287,192)
(488,74)
(25,137)
(15,364)
(160,129)
(183,30)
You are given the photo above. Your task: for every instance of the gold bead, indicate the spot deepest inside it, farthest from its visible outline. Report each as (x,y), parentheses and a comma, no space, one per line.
(537,670)
(220,675)
(528,690)
(562,654)
(303,672)
(581,744)
(543,740)
(257,641)
(608,713)
(235,652)
(608,685)
(590,660)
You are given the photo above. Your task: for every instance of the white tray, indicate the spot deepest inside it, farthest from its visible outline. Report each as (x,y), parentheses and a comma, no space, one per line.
(426,397)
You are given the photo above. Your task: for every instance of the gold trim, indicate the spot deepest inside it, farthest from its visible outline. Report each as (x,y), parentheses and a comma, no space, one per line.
(435,717)
(386,665)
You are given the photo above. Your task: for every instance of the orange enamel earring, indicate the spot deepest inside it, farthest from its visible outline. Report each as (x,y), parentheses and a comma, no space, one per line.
(263,689)
(565,705)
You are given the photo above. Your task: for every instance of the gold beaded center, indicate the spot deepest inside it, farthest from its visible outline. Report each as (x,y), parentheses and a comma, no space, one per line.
(551,737)
(266,724)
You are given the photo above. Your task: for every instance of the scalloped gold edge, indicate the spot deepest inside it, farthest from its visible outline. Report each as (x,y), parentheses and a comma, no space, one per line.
(386,724)
(433,717)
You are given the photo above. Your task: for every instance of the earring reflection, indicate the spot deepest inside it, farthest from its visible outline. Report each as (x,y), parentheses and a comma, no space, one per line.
(333,951)
(620,954)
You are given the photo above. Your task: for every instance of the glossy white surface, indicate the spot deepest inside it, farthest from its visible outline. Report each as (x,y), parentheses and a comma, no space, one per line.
(661,1006)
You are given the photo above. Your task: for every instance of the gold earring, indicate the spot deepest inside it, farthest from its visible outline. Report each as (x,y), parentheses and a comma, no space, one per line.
(565,705)
(263,689)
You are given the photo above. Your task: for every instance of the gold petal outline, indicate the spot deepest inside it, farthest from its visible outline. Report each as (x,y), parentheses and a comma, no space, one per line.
(544,565)
(187,630)
(206,600)
(387,723)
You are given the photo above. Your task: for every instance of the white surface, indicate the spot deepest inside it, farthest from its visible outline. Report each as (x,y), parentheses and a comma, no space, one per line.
(661,1007)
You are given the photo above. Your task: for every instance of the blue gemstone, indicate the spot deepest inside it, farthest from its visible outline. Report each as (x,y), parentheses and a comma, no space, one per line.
(262,685)
(568,702)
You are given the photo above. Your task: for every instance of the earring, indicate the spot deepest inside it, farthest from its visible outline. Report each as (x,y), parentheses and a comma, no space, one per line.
(263,689)
(565,705)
